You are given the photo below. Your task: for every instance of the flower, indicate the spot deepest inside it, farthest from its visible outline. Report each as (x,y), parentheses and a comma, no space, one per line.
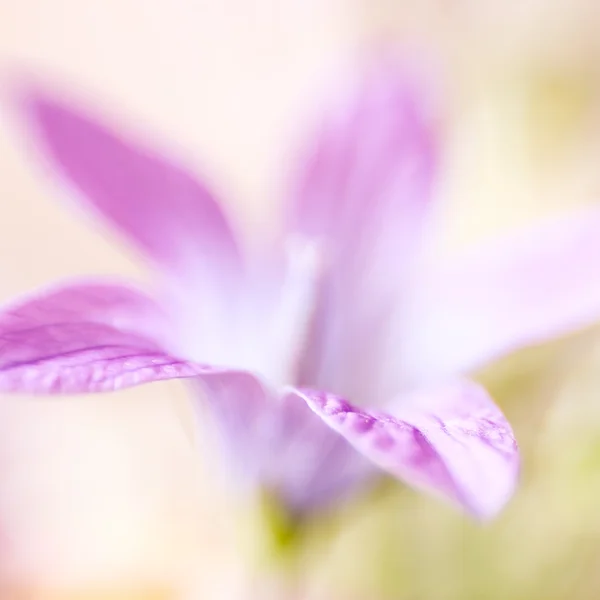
(332,349)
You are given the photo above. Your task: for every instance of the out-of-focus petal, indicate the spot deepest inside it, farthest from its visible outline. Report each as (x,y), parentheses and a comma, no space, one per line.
(263,327)
(278,444)
(371,159)
(452,441)
(361,194)
(161,207)
(85,337)
(519,290)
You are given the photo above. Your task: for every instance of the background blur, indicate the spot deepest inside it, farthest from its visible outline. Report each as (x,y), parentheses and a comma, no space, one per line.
(105,497)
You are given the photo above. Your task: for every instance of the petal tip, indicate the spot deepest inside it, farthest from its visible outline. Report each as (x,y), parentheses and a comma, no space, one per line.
(452,441)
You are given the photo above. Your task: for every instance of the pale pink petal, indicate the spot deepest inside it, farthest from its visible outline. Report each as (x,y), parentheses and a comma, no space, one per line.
(261,328)
(451,441)
(160,206)
(371,158)
(522,289)
(85,337)
(276,443)
(362,192)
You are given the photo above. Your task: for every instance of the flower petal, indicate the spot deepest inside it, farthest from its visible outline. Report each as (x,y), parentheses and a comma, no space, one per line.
(452,441)
(162,208)
(371,159)
(85,337)
(278,444)
(361,196)
(519,290)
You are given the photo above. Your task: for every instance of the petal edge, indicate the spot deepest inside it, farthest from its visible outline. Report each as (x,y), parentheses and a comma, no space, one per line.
(452,441)
(85,337)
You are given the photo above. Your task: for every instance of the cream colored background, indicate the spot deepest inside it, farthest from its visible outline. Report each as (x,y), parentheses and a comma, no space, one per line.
(102,496)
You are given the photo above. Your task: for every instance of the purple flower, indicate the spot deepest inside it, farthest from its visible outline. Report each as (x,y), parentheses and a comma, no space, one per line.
(330,350)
